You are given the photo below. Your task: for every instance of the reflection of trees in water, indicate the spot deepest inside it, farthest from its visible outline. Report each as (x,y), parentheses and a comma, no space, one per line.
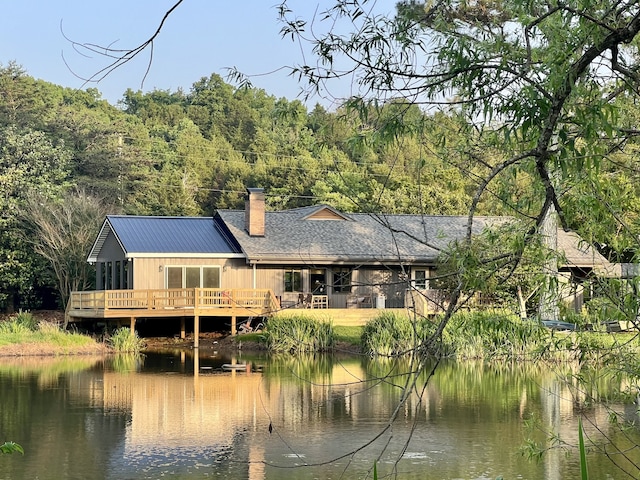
(341,405)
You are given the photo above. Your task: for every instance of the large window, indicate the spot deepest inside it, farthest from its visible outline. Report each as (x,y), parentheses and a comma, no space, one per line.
(342,280)
(293,281)
(192,277)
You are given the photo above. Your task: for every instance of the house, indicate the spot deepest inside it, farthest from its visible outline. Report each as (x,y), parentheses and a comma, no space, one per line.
(312,256)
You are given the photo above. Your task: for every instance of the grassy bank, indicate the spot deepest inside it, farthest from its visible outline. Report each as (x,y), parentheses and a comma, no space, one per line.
(24,334)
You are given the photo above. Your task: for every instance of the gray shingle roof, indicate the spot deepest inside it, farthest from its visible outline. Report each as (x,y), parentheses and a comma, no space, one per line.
(305,235)
(579,253)
(291,236)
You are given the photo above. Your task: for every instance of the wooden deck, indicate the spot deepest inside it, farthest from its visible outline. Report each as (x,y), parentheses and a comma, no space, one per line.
(130,305)
(164,303)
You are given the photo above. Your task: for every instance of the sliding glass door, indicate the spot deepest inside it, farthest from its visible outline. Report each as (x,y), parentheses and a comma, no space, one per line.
(192,277)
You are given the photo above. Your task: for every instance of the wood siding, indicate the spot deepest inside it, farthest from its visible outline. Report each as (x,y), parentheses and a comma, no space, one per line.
(149,273)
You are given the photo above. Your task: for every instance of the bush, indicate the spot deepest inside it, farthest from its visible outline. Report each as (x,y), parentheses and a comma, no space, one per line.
(27,320)
(602,309)
(298,333)
(394,334)
(23,322)
(124,341)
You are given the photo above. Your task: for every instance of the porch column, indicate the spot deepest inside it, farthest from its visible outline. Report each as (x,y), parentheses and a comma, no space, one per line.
(129,274)
(100,276)
(123,272)
(233,325)
(132,326)
(196,331)
(107,276)
(183,329)
(114,276)
(254,275)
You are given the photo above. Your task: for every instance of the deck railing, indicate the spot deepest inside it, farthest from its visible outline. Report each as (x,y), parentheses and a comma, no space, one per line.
(261,300)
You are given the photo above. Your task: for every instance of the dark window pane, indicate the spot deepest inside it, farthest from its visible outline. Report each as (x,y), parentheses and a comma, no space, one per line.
(342,280)
(174,277)
(192,277)
(210,277)
(292,281)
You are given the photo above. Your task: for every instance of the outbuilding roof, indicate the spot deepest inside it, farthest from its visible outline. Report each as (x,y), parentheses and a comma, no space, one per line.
(145,236)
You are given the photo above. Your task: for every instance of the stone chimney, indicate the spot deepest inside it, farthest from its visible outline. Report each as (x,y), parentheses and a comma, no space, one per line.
(254,212)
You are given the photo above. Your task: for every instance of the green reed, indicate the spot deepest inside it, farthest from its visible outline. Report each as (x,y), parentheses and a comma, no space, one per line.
(391,334)
(124,341)
(488,334)
(11,447)
(298,333)
(494,334)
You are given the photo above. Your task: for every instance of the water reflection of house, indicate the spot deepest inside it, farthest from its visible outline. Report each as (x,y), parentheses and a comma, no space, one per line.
(183,410)
(206,415)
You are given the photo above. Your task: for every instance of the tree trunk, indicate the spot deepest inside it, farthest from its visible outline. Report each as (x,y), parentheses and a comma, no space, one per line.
(548,307)
(522,303)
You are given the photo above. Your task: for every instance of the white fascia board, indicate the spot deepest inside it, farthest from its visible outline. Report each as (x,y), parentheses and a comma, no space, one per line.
(182,255)
(340,261)
(105,230)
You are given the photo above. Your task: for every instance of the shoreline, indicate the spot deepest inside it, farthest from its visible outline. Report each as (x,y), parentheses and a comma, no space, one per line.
(225,343)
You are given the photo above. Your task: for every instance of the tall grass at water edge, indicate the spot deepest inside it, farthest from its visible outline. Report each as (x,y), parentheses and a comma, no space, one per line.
(494,334)
(123,341)
(491,334)
(299,333)
(24,328)
(390,334)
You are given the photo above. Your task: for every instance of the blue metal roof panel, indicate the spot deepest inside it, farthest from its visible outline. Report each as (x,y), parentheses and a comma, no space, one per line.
(169,235)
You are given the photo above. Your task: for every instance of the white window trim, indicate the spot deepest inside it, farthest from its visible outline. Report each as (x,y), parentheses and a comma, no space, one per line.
(414,280)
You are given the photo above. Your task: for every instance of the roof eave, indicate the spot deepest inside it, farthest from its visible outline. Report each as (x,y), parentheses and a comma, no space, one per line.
(133,255)
(343,260)
(101,238)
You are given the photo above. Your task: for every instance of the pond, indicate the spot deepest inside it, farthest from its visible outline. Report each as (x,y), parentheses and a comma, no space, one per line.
(182,415)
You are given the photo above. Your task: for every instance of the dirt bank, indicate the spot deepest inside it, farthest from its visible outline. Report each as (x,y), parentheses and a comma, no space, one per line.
(217,341)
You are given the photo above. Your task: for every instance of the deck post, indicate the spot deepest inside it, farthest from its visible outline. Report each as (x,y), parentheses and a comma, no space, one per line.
(196,330)
(132,326)
(183,330)
(233,325)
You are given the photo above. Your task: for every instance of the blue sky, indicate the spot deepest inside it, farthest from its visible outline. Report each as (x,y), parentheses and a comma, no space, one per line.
(200,38)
